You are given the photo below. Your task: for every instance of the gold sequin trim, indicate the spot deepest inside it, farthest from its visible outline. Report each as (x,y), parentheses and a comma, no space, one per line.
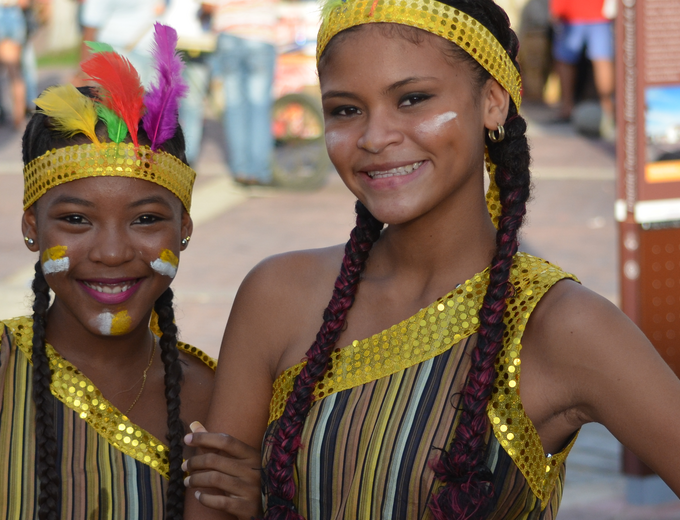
(71,163)
(436,329)
(77,392)
(436,18)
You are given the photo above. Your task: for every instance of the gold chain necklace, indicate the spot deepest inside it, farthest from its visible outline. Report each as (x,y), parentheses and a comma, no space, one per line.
(146,370)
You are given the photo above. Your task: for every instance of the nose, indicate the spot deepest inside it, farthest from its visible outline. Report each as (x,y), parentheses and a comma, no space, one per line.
(112,246)
(380,132)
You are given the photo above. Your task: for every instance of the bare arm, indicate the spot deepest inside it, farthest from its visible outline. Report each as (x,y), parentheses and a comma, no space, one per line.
(272,323)
(597,366)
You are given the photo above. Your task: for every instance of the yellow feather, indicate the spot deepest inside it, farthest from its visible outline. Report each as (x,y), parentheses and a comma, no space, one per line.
(73,112)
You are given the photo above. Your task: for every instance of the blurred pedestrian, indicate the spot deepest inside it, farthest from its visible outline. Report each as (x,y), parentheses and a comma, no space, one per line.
(126,25)
(12,40)
(244,61)
(585,24)
(197,44)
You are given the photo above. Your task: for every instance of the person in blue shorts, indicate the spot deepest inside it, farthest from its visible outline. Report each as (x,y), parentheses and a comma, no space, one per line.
(582,24)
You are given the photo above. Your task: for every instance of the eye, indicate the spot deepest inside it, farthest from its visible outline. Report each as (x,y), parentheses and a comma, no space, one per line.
(74,219)
(147,219)
(345,111)
(413,99)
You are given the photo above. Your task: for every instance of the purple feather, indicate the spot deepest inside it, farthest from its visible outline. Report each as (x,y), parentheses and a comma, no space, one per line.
(162,99)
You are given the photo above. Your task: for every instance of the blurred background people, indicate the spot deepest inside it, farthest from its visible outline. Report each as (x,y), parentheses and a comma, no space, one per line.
(196,43)
(12,40)
(126,25)
(585,24)
(244,62)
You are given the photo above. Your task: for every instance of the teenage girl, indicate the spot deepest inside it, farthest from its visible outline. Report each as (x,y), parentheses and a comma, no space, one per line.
(95,387)
(409,403)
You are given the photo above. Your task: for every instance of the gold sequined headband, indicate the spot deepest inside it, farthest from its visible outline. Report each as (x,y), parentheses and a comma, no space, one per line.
(71,163)
(431,16)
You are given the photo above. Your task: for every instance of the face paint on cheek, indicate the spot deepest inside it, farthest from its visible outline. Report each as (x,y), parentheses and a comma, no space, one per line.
(54,260)
(434,125)
(166,264)
(110,324)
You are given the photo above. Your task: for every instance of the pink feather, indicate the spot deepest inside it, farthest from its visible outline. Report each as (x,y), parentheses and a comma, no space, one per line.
(162,99)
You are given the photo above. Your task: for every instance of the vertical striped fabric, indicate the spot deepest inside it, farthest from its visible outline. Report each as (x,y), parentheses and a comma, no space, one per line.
(388,405)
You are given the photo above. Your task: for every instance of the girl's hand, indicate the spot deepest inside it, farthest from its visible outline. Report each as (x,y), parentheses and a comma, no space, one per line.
(230,468)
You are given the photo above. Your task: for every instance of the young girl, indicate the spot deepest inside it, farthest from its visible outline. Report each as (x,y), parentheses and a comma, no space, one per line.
(450,373)
(94,399)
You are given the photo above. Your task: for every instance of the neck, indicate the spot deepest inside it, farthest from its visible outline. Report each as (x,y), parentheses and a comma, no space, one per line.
(438,250)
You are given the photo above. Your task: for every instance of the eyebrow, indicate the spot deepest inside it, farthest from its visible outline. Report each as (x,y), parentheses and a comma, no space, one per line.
(391,88)
(68,199)
(149,200)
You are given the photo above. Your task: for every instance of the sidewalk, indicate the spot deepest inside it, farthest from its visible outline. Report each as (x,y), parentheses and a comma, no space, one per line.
(570,222)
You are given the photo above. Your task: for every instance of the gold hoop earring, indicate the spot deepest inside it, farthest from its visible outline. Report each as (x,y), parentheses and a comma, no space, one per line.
(498,135)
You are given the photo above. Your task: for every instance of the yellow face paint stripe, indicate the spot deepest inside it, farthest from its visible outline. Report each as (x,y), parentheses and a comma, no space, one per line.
(121,323)
(54,253)
(170,257)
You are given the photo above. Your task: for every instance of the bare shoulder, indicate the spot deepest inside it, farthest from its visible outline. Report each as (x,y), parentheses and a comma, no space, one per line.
(592,364)
(276,314)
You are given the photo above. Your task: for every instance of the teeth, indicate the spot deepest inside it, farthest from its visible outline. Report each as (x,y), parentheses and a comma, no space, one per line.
(394,172)
(109,289)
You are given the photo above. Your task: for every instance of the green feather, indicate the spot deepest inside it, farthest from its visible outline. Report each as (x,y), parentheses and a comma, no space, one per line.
(115,125)
(97,47)
(328,6)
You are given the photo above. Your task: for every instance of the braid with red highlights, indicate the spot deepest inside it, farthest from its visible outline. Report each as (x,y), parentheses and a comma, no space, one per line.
(468,492)
(285,441)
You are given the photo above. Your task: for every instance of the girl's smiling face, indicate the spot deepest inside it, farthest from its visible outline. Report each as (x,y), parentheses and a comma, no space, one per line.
(405,121)
(99,238)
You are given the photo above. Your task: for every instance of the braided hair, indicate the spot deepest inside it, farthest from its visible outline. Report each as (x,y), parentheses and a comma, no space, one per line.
(37,140)
(467,491)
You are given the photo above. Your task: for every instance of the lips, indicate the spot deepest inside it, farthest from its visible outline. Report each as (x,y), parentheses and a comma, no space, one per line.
(398,171)
(111,291)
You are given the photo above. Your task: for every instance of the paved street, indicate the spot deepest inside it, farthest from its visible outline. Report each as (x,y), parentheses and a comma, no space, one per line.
(570,222)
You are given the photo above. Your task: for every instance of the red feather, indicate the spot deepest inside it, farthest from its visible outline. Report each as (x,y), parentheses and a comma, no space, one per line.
(121,89)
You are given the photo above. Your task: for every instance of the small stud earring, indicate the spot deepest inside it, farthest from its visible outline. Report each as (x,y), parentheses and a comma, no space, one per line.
(185,241)
(29,241)
(497,136)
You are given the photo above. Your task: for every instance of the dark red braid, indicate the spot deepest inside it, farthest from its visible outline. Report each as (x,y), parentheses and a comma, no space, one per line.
(285,440)
(468,492)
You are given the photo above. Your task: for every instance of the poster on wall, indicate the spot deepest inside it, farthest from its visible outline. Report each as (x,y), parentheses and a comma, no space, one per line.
(662,132)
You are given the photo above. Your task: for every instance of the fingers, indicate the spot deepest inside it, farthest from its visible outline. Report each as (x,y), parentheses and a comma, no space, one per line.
(245,469)
(242,509)
(221,441)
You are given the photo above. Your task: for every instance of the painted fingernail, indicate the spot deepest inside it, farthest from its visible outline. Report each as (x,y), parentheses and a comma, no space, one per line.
(197,426)
(186,482)
(197,495)
(184,466)
(188,438)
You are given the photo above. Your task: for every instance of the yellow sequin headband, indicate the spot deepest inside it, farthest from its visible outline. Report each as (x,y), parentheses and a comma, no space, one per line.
(437,18)
(71,163)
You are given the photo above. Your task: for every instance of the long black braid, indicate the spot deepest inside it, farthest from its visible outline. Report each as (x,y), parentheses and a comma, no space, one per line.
(174,508)
(45,434)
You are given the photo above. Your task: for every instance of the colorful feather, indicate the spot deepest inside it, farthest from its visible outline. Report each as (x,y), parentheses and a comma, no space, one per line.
(72,112)
(96,47)
(162,100)
(121,89)
(114,124)
(328,7)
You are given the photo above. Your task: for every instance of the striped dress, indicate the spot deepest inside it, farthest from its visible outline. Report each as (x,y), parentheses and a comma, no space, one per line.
(388,405)
(111,469)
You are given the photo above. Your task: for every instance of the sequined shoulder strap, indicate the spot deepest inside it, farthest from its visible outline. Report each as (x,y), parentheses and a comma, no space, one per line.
(532,278)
